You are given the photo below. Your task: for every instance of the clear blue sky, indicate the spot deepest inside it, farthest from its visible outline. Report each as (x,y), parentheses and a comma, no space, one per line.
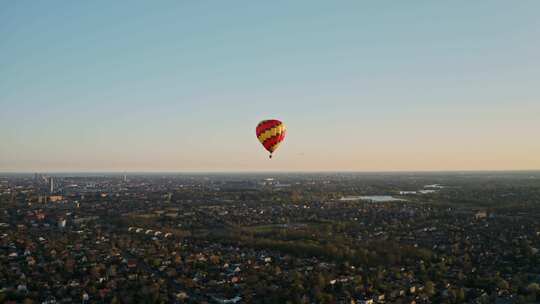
(180,85)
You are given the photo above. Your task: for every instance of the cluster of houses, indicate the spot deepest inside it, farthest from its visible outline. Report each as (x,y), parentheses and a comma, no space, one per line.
(150,232)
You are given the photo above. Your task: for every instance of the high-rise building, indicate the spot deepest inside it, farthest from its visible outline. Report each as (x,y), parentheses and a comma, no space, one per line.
(51,184)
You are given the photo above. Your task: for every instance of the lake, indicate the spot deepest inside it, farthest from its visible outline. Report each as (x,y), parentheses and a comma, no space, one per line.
(372,198)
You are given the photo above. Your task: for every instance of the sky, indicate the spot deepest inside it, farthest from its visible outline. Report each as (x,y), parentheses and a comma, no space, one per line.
(180,85)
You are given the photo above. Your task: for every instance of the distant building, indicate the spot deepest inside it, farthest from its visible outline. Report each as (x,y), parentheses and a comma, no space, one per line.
(55,198)
(51,185)
(480,215)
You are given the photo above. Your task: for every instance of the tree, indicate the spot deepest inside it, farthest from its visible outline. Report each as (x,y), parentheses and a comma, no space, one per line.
(533,288)
(460,295)
(502,284)
(430,288)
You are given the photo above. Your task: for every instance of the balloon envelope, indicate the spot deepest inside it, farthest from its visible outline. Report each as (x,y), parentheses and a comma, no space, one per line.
(271,133)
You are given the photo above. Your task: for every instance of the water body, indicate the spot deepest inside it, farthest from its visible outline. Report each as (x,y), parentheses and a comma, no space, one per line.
(372,198)
(434,186)
(429,191)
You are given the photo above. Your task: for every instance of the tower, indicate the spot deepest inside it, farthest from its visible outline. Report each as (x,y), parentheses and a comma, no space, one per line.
(51,184)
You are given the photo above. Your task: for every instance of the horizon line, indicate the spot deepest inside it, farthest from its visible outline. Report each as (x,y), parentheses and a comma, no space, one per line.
(272,171)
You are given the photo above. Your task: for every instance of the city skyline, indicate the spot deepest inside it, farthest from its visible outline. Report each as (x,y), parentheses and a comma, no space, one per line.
(180,87)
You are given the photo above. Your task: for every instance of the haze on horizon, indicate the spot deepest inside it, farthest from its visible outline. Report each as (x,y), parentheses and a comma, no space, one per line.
(180,86)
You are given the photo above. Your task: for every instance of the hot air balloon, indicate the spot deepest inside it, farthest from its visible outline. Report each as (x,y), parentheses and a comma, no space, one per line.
(271,133)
